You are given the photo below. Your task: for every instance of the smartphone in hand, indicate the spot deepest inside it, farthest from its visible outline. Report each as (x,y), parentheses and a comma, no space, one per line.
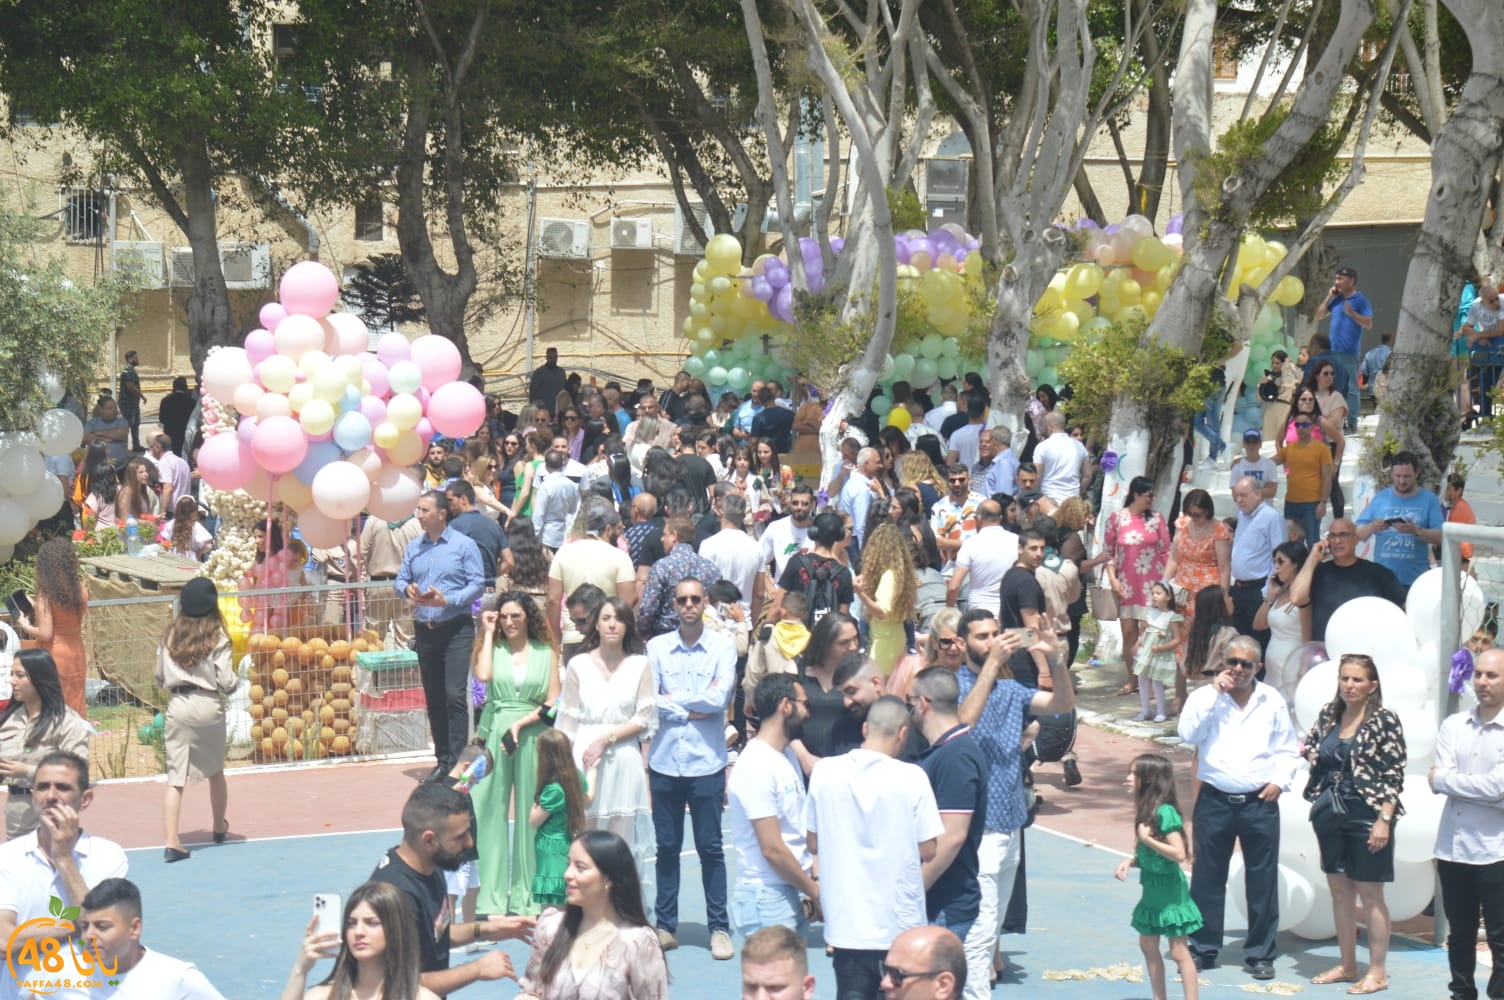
(508,743)
(326,910)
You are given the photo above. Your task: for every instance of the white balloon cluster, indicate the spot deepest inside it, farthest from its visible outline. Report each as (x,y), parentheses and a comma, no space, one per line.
(1403,644)
(28,492)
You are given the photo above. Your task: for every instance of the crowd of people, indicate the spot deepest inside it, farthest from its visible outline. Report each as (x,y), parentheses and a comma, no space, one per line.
(628,605)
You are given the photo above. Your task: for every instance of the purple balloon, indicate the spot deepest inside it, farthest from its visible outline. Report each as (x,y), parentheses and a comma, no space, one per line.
(815,278)
(259,345)
(1112,229)
(424,429)
(777,273)
(837,244)
(374,372)
(782,306)
(923,245)
(373,409)
(1175,226)
(901,249)
(762,290)
(246,430)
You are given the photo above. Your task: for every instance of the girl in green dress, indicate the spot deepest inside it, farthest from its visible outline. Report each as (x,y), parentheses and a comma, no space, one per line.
(521,673)
(1165,908)
(557,817)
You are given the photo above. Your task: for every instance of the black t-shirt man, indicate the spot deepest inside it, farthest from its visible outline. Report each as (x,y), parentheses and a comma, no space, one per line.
(1020,591)
(487,536)
(1333,586)
(430,902)
(699,477)
(957,769)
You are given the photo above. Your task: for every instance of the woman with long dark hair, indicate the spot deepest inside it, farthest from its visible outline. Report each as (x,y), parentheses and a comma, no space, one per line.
(184,534)
(508,454)
(194,666)
(61,604)
(600,944)
(1357,754)
(1045,399)
(1333,408)
(104,489)
(1289,624)
(136,497)
(529,562)
(521,671)
(36,722)
(828,728)
(1139,539)
(607,707)
(378,952)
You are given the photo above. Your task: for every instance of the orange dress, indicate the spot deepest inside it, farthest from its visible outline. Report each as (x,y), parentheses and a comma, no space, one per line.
(67,649)
(1196,561)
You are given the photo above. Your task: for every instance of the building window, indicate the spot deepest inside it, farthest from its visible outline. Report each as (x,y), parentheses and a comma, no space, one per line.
(1224,59)
(369,221)
(84,215)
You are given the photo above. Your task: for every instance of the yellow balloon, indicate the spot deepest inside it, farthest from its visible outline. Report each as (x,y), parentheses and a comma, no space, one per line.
(298,396)
(1067,326)
(1254,276)
(385,435)
(317,417)
(1165,276)
(900,417)
(1084,280)
(1048,302)
(1129,292)
(1084,311)
(723,254)
(1289,291)
(408,449)
(404,411)
(1148,254)
(1151,301)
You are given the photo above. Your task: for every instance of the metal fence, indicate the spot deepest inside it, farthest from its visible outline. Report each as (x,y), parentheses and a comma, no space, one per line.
(325,671)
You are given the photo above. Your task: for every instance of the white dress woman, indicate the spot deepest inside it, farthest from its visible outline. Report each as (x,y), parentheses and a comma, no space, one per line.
(595,705)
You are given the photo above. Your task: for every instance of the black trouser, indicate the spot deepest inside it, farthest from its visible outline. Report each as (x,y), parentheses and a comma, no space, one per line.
(1246,598)
(444,665)
(859,974)
(1466,892)
(1016,915)
(1221,819)
(133,418)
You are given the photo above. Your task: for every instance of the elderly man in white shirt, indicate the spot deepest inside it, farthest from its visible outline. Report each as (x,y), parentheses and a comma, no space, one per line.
(1246,755)
(1469,771)
(1060,459)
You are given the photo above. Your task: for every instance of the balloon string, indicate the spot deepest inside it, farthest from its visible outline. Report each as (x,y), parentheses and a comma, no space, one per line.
(357,602)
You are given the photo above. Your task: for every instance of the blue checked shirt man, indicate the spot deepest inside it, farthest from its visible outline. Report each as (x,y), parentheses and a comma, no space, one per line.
(443,575)
(694,672)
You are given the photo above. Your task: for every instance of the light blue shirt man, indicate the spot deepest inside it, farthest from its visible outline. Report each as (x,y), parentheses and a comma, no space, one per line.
(856,494)
(693,679)
(449,565)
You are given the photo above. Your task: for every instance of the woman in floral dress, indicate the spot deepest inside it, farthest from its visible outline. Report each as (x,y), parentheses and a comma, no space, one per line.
(1138,540)
(1199,558)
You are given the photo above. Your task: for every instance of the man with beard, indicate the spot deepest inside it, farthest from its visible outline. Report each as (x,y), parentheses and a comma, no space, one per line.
(766,793)
(788,535)
(436,832)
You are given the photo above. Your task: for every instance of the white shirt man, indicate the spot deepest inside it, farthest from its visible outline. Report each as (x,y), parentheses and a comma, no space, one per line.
(936,417)
(1253,465)
(766,794)
(111,923)
(788,535)
(57,860)
(984,559)
(872,823)
(1059,458)
(172,472)
(735,553)
(554,502)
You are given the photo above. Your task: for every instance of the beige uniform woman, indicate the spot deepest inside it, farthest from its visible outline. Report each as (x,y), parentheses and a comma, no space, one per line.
(36,723)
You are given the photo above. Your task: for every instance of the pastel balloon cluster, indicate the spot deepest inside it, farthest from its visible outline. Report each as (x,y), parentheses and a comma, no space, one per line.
(740,318)
(28,492)
(327,426)
(1403,644)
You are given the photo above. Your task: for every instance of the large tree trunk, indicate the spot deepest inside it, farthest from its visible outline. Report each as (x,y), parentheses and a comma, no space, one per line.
(1019,285)
(1419,412)
(209,319)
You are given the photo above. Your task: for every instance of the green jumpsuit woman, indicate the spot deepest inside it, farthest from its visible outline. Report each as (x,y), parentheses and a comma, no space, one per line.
(522,676)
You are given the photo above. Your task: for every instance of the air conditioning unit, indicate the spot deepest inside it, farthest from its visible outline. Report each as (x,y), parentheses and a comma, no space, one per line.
(631,234)
(685,243)
(245,265)
(140,262)
(564,239)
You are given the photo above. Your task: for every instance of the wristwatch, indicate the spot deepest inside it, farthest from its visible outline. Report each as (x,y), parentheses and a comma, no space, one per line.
(1387,817)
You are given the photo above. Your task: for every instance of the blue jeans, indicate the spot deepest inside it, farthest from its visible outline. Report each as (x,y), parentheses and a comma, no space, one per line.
(703,796)
(1305,515)
(1208,423)
(1349,363)
(1488,378)
(755,905)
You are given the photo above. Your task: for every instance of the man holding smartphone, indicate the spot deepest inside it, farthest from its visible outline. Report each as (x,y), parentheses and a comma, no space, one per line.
(1327,585)
(1403,520)
(1351,315)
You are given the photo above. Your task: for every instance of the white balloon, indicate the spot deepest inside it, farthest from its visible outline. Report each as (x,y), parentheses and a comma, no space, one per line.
(1415,831)
(44,501)
(21,470)
(1296,894)
(238,726)
(1316,689)
(1423,604)
(1320,924)
(1414,885)
(1373,626)
(224,370)
(1420,735)
(14,524)
(52,386)
(60,432)
(1406,684)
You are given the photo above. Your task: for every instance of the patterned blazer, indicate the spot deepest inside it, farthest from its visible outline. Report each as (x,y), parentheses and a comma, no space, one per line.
(1378,759)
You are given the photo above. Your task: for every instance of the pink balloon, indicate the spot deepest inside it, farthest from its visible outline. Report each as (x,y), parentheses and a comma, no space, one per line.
(424,429)
(322,531)
(308,289)
(351,334)
(457,409)
(341,490)
(373,409)
(439,359)
(224,462)
(259,485)
(259,343)
(423,396)
(331,337)
(374,372)
(279,444)
(297,335)
(271,314)
(246,430)
(367,461)
(392,348)
(394,493)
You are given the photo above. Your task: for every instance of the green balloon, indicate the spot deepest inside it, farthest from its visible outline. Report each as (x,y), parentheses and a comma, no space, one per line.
(882,405)
(158,721)
(695,366)
(1047,374)
(146,734)
(711,357)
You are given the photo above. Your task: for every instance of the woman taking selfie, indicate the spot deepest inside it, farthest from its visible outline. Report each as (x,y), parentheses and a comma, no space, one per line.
(375,953)
(35,723)
(600,943)
(193,666)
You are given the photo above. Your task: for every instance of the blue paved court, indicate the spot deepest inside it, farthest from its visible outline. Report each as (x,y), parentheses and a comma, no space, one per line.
(238,910)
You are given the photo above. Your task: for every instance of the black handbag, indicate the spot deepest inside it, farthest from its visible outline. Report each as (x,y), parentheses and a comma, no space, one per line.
(1329,811)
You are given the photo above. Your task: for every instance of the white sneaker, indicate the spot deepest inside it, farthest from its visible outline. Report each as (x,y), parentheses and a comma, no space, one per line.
(720,946)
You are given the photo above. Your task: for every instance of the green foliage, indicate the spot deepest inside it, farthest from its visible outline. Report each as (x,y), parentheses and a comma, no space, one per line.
(51,322)
(906,209)
(383,293)
(1296,194)
(826,344)
(1127,363)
